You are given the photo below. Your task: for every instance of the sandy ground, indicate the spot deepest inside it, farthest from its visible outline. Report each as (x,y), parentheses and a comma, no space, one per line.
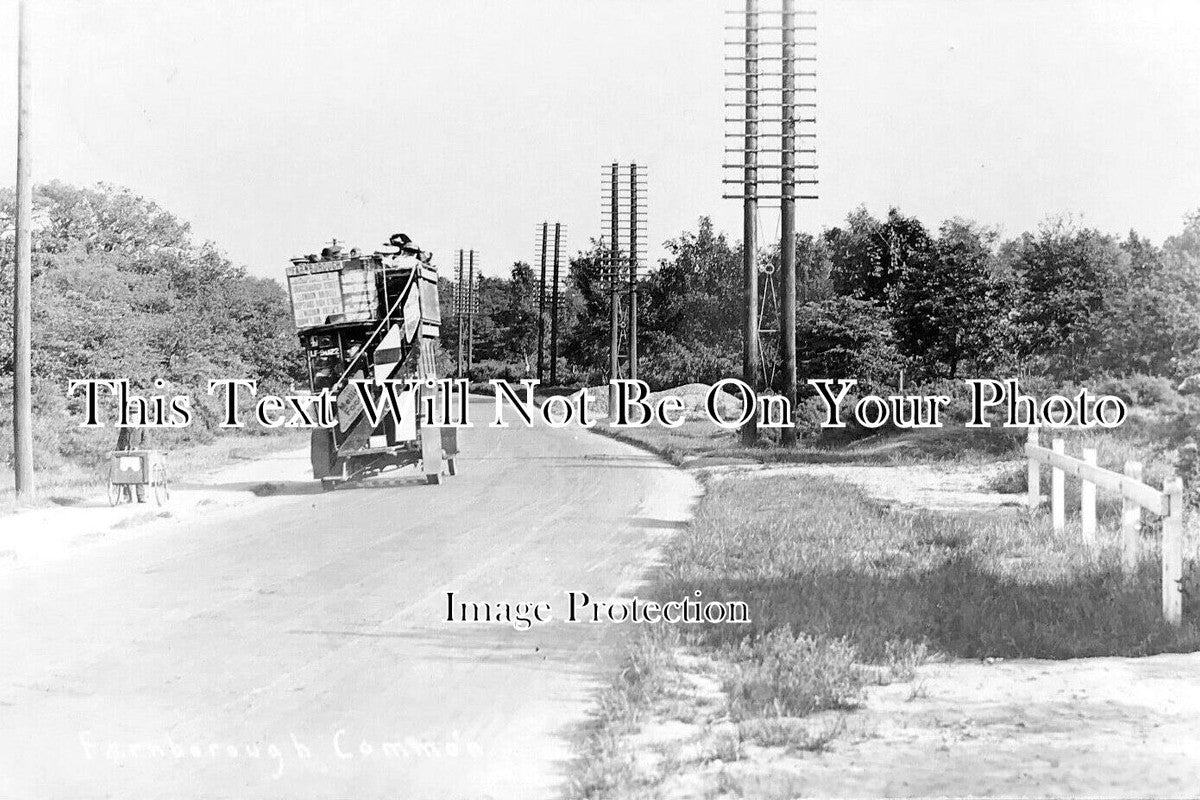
(40,535)
(1101,727)
(1096,727)
(260,639)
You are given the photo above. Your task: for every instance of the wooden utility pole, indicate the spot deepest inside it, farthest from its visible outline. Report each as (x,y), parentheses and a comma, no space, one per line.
(750,219)
(623,203)
(614,278)
(541,334)
(787,208)
(548,255)
(471,301)
(769,339)
(554,307)
(22,315)
(460,306)
(633,269)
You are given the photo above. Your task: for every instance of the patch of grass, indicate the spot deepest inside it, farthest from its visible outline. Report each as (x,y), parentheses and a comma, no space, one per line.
(782,675)
(816,556)
(771,731)
(1010,480)
(607,764)
(793,734)
(817,740)
(724,746)
(608,769)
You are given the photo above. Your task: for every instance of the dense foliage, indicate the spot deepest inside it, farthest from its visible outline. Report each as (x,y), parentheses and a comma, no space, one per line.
(120,290)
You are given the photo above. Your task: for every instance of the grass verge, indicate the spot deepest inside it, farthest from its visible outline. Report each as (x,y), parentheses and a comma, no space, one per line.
(844,594)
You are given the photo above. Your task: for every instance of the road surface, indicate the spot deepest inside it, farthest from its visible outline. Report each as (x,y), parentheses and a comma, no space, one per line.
(295,645)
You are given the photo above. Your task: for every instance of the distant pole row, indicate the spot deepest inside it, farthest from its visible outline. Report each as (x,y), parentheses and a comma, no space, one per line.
(551,247)
(623,216)
(466,306)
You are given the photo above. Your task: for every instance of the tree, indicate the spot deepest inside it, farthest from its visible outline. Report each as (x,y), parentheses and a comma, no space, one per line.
(845,337)
(691,313)
(867,257)
(1177,293)
(516,316)
(585,341)
(950,304)
(693,295)
(1069,278)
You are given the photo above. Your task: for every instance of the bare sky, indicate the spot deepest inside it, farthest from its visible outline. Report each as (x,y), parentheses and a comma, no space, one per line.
(272,126)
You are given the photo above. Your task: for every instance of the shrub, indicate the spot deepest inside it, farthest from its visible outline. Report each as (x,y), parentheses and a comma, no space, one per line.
(810,415)
(670,362)
(1146,391)
(847,338)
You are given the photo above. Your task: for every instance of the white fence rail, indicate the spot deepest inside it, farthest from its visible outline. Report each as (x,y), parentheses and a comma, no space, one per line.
(1136,496)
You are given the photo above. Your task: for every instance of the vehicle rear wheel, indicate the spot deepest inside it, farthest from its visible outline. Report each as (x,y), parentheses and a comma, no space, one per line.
(435,478)
(451,466)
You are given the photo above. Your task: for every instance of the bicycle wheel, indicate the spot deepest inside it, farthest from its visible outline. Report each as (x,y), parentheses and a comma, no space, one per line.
(159,483)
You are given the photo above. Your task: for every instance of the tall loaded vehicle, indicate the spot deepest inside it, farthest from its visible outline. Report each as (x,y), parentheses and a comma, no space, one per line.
(364,319)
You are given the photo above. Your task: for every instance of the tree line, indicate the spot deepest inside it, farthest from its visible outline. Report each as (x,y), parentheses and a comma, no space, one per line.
(122,289)
(881,297)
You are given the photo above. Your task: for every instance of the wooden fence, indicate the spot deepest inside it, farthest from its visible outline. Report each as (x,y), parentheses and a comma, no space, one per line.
(1135,495)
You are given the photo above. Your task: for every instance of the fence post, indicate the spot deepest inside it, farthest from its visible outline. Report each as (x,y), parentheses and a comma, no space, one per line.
(1172,553)
(1033,480)
(1131,523)
(1058,500)
(1087,502)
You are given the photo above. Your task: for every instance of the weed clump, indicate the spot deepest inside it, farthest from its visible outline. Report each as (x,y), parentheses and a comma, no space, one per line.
(783,675)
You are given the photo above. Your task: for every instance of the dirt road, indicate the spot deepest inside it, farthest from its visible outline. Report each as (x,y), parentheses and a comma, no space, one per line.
(295,645)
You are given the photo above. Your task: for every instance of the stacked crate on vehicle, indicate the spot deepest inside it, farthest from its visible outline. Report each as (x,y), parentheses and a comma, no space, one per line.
(339,290)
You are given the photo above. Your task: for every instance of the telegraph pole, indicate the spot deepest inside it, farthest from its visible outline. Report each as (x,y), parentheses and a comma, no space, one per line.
(770,306)
(550,255)
(633,269)
(459,309)
(787,209)
(466,304)
(554,306)
(22,315)
(542,302)
(614,318)
(624,204)
(750,219)
(471,301)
